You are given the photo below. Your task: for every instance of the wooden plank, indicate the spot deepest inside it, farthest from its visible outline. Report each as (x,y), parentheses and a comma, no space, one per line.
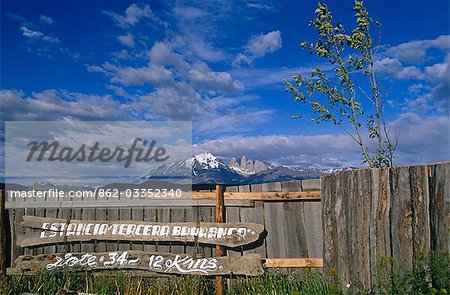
(420,197)
(150,215)
(310,185)
(206,214)
(245,188)
(275,225)
(344,225)
(3,253)
(52,213)
(440,206)
(293,262)
(138,260)
(232,215)
(137,214)
(312,216)
(292,186)
(271,187)
(58,231)
(401,219)
(177,215)
(232,189)
(364,190)
(87,213)
(112,215)
(329,224)
(124,214)
(379,223)
(101,246)
(254,215)
(163,217)
(296,244)
(192,215)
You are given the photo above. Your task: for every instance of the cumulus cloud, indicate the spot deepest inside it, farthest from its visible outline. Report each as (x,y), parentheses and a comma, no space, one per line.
(46,19)
(393,67)
(131,76)
(179,102)
(133,15)
(38,40)
(415,51)
(339,150)
(416,134)
(259,46)
(37,35)
(59,104)
(296,150)
(189,12)
(203,77)
(260,6)
(235,120)
(127,40)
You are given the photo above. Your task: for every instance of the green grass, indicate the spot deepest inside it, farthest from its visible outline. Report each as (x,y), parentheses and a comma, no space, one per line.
(430,276)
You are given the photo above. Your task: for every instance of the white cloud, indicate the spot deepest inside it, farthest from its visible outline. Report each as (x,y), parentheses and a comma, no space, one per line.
(437,71)
(339,150)
(133,15)
(422,139)
(393,67)
(46,19)
(127,40)
(259,46)
(189,12)
(130,76)
(415,51)
(261,77)
(435,94)
(37,35)
(262,45)
(302,150)
(162,54)
(235,120)
(58,104)
(260,6)
(203,77)
(178,102)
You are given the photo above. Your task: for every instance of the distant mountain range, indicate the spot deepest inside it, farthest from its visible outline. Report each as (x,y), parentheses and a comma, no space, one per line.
(208,169)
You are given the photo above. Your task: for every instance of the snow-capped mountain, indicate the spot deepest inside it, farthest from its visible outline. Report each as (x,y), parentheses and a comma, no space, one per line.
(248,167)
(205,168)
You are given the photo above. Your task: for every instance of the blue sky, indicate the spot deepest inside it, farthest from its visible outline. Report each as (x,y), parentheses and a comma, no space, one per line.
(221,64)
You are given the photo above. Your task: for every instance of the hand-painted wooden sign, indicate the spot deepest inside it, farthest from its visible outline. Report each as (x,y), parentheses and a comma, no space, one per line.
(139,260)
(53,230)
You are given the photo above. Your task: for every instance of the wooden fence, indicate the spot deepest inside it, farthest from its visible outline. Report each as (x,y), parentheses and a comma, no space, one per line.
(290,212)
(373,214)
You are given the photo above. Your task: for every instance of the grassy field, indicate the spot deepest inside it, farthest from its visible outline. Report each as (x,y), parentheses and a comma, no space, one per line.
(431,276)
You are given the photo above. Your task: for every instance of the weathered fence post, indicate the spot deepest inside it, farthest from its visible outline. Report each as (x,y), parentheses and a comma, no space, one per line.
(3,254)
(220,218)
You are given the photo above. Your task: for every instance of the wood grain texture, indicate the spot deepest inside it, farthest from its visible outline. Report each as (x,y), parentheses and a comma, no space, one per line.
(373,215)
(440,206)
(168,264)
(226,234)
(293,262)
